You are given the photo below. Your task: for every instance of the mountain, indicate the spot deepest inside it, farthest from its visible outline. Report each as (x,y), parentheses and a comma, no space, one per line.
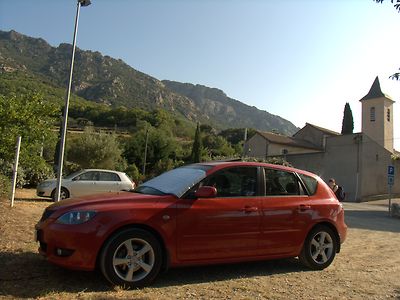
(110,81)
(217,105)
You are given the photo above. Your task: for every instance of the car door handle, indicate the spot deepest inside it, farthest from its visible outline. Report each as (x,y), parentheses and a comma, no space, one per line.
(303,207)
(249,209)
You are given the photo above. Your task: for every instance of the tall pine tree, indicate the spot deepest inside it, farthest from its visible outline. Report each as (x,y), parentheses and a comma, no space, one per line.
(347,124)
(196,149)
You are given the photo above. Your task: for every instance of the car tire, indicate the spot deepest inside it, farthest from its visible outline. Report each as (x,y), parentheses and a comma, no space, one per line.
(319,248)
(64,194)
(131,258)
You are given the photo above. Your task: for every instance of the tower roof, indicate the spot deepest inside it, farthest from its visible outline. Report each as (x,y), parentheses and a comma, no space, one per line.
(375,91)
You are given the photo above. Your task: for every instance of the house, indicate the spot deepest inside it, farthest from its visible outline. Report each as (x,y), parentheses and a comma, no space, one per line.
(359,161)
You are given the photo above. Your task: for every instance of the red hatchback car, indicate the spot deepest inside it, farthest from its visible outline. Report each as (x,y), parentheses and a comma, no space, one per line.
(207,213)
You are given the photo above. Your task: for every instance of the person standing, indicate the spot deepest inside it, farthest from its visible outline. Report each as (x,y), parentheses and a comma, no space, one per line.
(338,190)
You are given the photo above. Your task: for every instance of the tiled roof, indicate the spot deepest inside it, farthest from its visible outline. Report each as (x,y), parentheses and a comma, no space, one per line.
(286,140)
(327,131)
(375,91)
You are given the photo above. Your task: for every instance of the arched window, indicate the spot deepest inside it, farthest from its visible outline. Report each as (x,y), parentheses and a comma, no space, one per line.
(388,115)
(372,114)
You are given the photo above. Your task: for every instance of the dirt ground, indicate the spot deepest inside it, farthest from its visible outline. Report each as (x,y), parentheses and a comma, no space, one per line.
(368,266)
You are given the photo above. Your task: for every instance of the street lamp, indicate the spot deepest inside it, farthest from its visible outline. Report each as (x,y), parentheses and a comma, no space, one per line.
(66,105)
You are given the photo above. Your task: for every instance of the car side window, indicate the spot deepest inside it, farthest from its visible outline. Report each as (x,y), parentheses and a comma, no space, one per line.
(108,176)
(234,182)
(279,183)
(87,176)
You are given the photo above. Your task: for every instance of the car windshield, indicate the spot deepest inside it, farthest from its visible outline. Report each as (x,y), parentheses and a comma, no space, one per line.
(72,175)
(175,182)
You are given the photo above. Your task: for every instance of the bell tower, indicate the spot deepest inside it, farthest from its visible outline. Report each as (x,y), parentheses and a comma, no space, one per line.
(377,116)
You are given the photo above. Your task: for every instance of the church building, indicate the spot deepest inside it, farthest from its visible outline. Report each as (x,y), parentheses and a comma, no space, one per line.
(358,161)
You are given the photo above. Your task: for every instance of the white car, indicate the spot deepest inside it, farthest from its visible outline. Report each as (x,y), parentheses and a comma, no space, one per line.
(86,182)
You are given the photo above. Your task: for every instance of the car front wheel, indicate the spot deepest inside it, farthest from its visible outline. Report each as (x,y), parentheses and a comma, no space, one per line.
(64,194)
(131,258)
(319,248)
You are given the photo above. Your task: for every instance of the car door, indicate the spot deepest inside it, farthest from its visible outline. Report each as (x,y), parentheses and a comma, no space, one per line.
(286,212)
(84,184)
(108,182)
(227,226)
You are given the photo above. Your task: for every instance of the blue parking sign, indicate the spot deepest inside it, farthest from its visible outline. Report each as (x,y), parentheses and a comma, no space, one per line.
(391,170)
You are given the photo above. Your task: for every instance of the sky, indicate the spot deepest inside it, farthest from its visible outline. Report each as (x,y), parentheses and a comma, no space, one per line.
(301,60)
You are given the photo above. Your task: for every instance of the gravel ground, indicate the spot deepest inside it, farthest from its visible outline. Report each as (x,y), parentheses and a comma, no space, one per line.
(368,266)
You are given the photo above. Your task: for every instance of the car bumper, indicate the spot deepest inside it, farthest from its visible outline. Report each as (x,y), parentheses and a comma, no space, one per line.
(43,192)
(70,246)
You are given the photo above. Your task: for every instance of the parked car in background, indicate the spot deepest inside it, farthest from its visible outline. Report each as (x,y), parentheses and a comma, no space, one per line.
(86,182)
(206,213)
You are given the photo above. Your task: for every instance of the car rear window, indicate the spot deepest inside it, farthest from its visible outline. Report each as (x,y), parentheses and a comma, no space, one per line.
(108,176)
(310,182)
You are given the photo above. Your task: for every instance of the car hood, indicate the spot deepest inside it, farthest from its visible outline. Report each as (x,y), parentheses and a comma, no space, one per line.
(108,201)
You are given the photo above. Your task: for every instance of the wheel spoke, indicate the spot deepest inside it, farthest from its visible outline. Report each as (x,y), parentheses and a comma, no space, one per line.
(144,266)
(315,256)
(324,257)
(121,261)
(314,243)
(146,248)
(323,237)
(129,248)
(129,274)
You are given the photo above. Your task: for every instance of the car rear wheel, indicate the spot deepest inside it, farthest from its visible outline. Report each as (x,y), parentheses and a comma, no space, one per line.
(64,194)
(131,258)
(319,248)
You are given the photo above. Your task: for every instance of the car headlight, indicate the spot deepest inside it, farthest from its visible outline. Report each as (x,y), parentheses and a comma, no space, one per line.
(76,217)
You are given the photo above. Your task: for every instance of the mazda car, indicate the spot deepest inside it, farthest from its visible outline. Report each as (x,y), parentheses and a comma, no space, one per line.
(199,214)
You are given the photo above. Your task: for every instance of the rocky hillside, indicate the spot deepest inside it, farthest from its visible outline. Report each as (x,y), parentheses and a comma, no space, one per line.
(110,81)
(217,105)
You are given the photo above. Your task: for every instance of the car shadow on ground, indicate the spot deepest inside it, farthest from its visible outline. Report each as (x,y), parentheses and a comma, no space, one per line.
(214,273)
(41,200)
(28,275)
(378,220)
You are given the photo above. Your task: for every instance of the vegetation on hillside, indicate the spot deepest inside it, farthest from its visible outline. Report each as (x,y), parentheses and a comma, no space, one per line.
(113,138)
(103,79)
(145,135)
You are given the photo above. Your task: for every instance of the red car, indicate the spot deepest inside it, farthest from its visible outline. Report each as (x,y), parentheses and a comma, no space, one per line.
(207,213)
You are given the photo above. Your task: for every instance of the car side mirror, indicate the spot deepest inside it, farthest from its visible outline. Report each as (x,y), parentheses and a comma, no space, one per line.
(206,192)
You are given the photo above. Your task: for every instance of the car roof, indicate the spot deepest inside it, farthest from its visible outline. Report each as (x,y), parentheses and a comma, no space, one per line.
(102,170)
(224,164)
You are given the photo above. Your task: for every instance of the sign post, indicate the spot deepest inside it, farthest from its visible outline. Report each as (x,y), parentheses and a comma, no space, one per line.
(15,169)
(390,184)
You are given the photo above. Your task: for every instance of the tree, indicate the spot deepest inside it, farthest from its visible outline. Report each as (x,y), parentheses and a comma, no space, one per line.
(396,6)
(96,150)
(347,123)
(197,146)
(236,135)
(160,147)
(32,118)
(217,146)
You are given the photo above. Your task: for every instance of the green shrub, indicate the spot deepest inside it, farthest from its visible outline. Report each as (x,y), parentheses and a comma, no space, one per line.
(5,186)
(36,172)
(133,172)
(6,169)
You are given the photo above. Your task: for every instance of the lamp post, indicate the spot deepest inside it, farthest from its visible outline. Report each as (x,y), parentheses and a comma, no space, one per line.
(66,105)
